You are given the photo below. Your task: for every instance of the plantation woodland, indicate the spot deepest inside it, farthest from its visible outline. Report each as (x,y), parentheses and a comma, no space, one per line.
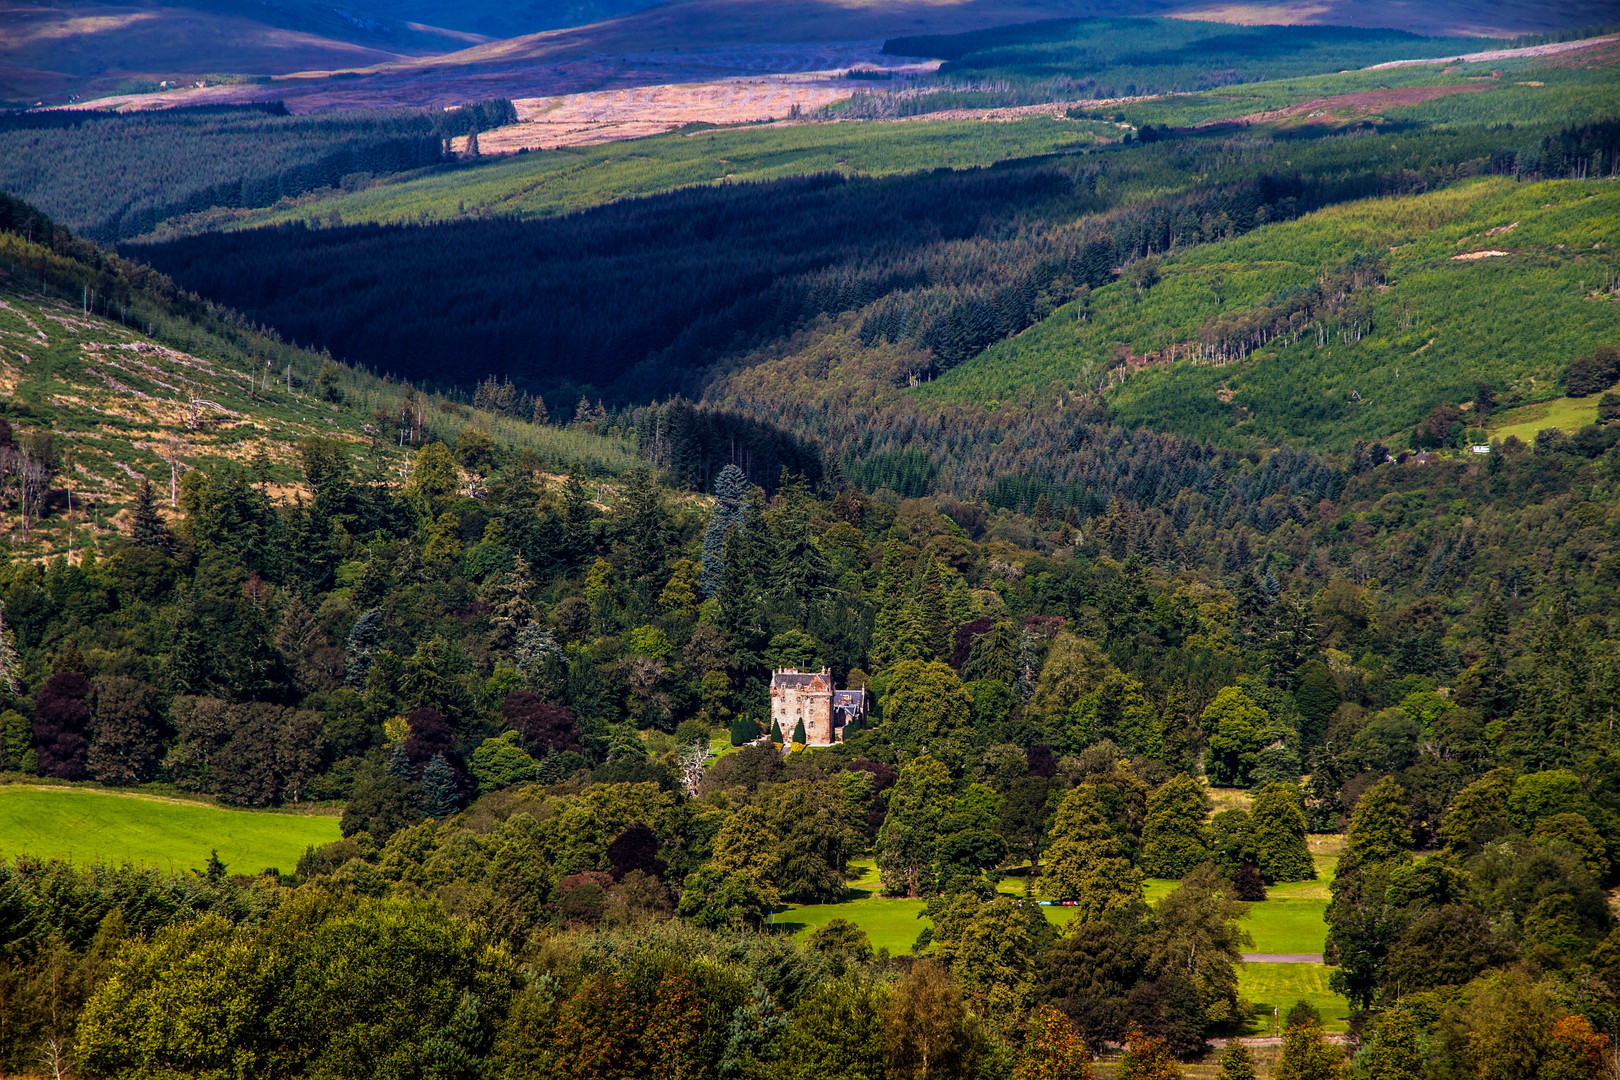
(1198,503)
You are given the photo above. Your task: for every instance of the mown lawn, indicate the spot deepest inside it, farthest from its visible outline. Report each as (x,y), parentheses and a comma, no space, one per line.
(89,825)
(1278,986)
(891,924)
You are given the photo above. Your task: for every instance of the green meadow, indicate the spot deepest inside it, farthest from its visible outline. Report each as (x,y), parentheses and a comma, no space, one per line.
(1566,413)
(92,825)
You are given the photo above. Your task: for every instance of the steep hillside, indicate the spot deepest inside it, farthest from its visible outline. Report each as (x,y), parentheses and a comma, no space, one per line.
(1352,323)
(149,387)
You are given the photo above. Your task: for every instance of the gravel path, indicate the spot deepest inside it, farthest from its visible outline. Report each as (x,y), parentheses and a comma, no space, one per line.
(1282,958)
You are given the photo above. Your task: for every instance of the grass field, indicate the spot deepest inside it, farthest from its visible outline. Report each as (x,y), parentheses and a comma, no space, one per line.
(89,825)
(1279,986)
(1567,413)
(890,924)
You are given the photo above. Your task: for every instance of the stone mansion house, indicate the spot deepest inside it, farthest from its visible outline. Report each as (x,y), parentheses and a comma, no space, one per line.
(810,696)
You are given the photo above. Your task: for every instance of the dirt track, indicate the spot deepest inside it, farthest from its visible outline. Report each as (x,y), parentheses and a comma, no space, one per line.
(1359,104)
(1504,54)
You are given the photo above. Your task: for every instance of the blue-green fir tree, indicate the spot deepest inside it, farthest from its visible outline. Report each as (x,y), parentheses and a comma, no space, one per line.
(439,795)
(730,489)
(362,648)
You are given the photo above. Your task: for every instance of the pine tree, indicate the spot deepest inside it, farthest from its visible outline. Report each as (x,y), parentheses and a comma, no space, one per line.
(148,529)
(510,607)
(533,647)
(933,618)
(800,571)
(440,798)
(361,649)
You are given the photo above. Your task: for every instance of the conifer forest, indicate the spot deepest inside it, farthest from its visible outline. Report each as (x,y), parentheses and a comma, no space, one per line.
(1179,457)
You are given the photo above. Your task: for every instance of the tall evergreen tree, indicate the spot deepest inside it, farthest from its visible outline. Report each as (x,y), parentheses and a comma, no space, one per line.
(730,489)
(440,796)
(364,638)
(148,529)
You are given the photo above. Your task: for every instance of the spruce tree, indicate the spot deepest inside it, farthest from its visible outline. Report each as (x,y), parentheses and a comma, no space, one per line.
(776,733)
(730,488)
(399,764)
(934,621)
(1278,819)
(361,648)
(1236,1062)
(440,798)
(148,529)
(798,733)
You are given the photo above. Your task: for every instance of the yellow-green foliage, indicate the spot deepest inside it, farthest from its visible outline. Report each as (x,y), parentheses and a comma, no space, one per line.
(1438,325)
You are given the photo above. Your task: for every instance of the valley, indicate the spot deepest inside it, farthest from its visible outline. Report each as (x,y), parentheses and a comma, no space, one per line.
(709,540)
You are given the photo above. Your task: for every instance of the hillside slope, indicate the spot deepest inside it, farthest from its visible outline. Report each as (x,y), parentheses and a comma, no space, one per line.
(149,389)
(1351,323)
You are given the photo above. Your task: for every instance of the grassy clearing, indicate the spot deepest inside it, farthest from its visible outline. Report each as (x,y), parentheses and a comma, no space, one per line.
(90,825)
(1567,413)
(1289,921)
(1279,986)
(1285,924)
(891,924)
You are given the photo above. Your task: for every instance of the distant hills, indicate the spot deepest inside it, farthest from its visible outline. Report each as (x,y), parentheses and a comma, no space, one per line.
(58,51)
